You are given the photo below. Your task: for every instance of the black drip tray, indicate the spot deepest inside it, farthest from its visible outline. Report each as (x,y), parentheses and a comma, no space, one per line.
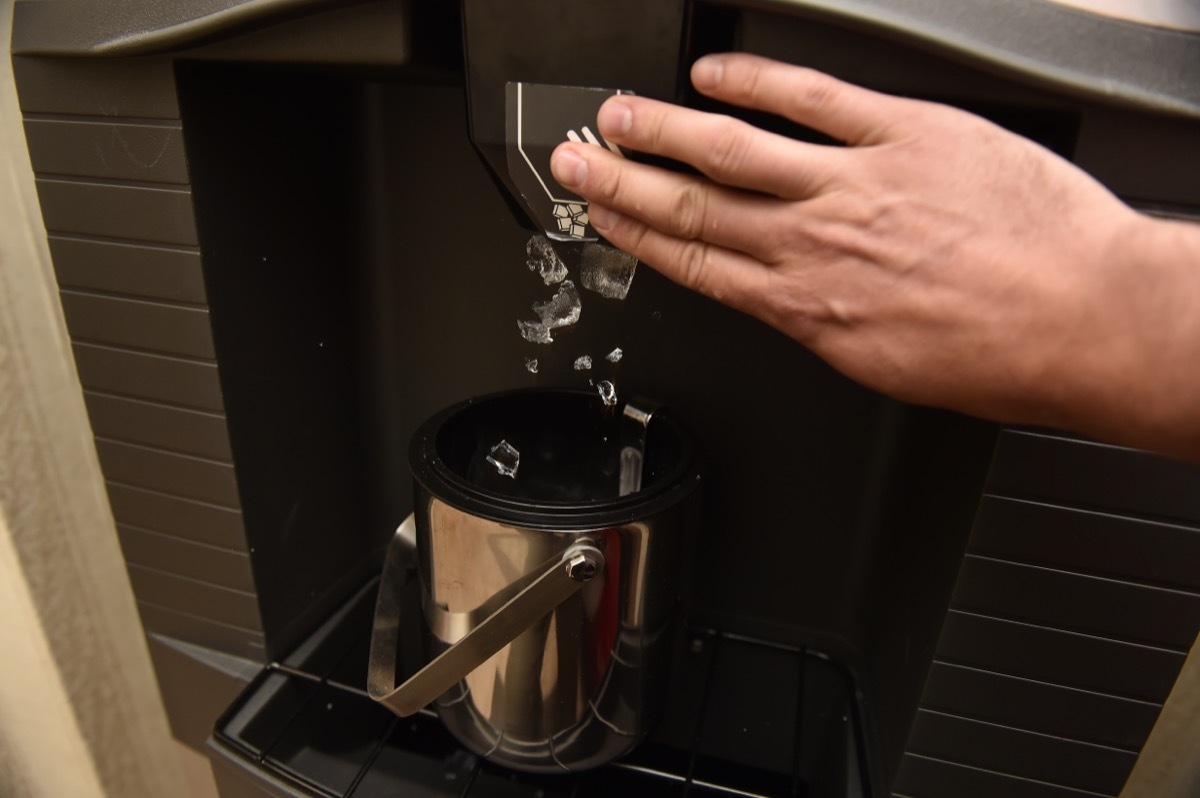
(745,718)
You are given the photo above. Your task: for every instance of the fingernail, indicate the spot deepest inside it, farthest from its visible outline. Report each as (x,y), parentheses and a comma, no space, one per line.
(707,72)
(603,218)
(568,168)
(614,118)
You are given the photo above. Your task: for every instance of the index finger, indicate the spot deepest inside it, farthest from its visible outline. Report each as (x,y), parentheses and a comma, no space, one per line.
(847,112)
(728,150)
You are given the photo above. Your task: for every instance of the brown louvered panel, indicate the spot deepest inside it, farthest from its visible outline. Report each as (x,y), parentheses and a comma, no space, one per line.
(1036,706)
(138,88)
(145,152)
(1099,606)
(1100,544)
(139,324)
(926,777)
(1079,474)
(1073,610)
(1044,758)
(174,474)
(186,558)
(234,608)
(141,375)
(111,210)
(135,269)
(161,426)
(201,631)
(106,143)
(1075,660)
(173,515)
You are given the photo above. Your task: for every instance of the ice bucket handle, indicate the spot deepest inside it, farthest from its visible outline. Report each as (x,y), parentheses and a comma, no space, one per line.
(560,577)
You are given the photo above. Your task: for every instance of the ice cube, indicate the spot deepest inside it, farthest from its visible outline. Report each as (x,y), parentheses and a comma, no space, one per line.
(545,261)
(615,355)
(606,270)
(535,332)
(562,309)
(583,363)
(608,393)
(505,458)
(531,365)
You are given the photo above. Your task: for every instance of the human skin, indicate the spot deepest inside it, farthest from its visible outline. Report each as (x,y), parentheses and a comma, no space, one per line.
(935,257)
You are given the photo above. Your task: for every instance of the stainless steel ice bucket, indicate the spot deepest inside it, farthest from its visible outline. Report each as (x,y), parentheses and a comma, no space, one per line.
(548,595)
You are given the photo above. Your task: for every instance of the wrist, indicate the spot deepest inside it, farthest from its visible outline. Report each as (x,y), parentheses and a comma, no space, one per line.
(1142,371)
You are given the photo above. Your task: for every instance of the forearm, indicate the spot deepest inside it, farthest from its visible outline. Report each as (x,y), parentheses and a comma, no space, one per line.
(1139,384)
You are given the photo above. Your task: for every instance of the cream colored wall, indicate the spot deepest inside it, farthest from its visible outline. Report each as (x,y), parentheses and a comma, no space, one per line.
(1181,14)
(1169,765)
(80,713)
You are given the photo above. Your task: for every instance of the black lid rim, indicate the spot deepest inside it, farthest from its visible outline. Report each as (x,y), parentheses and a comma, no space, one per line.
(437,479)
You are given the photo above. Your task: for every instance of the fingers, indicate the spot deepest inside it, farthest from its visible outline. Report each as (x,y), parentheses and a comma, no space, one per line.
(724,275)
(679,206)
(695,233)
(849,113)
(727,150)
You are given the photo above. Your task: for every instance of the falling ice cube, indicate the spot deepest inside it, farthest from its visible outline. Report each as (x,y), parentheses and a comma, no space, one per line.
(505,458)
(545,261)
(562,309)
(583,363)
(534,332)
(615,355)
(531,365)
(607,270)
(608,394)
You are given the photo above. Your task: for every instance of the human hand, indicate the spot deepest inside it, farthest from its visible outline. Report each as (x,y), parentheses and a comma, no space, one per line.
(936,258)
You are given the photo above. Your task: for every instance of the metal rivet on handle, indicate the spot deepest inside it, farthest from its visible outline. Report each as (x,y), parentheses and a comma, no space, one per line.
(581,568)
